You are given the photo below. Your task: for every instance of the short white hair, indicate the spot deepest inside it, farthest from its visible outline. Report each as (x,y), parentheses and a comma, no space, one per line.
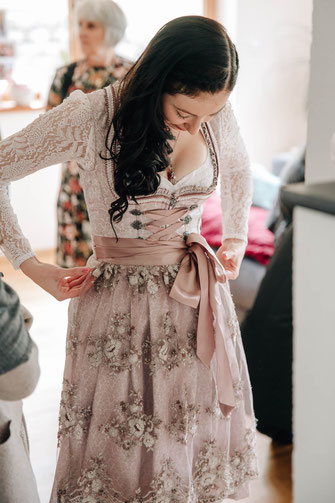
(106,12)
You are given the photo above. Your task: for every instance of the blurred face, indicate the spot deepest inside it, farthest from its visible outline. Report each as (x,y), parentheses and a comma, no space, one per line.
(92,36)
(187,113)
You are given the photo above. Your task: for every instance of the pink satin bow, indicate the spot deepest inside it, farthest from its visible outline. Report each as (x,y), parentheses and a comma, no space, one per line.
(196,285)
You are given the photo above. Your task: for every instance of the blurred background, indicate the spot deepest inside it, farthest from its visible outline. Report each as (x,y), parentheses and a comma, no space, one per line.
(285,108)
(270,99)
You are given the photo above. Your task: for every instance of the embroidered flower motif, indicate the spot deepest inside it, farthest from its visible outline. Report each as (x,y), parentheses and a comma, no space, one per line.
(216,476)
(132,426)
(184,420)
(143,279)
(72,342)
(152,287)
(73,419)
(95,486)
(238,392)
(148,278)
(115,349)
(215,412)
(169,274)
(107,276)
(234,328)
(167,352)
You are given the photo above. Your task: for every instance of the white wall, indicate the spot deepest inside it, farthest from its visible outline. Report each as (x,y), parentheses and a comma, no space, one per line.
(314,351)
(321,124)
(273,40)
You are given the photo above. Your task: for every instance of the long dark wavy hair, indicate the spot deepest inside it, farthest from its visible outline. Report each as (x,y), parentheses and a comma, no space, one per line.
(188,55)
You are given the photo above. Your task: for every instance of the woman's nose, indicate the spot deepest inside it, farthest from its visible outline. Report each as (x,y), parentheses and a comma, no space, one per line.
(194,126)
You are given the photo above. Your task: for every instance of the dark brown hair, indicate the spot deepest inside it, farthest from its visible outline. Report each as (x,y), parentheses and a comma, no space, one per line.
(188,55)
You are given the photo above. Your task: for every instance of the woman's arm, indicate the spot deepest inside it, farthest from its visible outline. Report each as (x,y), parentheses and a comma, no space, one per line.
(235,191)
(65,133)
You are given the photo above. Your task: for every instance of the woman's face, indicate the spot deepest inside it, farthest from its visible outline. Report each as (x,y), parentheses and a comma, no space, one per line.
(187,113)
(92,36)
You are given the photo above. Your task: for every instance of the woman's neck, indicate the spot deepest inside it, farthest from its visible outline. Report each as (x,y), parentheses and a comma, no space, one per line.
(104,57)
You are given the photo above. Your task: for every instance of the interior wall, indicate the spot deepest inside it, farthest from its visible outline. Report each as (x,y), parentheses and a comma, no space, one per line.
(273,40)
(320,161)
(314,349)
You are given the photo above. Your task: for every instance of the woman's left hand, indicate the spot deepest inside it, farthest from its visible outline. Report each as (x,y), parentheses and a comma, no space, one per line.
(230,254)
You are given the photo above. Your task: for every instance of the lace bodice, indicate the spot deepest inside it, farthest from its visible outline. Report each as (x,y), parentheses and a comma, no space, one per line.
(76,130)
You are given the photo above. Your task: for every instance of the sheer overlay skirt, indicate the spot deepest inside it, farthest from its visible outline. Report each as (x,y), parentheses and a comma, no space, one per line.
(139,415)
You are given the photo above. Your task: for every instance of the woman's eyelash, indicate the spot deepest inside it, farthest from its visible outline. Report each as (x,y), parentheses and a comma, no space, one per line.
(181,116)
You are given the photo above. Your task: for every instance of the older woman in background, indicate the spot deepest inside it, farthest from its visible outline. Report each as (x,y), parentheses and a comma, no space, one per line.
(101,26)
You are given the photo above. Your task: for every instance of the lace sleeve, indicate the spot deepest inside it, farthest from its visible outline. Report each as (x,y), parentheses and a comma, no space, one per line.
(62,134)
(235,176)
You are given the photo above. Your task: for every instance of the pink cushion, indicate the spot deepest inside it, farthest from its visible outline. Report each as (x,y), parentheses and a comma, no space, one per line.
(260,240)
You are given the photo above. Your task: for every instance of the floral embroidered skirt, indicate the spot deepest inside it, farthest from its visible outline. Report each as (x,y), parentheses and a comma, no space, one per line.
(139,415)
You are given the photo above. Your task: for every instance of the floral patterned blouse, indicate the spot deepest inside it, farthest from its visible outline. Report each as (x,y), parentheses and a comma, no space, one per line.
(86,78)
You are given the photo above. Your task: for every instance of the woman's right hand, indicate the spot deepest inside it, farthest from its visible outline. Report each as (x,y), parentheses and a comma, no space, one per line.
(61,283)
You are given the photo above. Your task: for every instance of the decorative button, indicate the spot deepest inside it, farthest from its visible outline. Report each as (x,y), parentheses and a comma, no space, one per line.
(137,225)
(173,200)
(136,212)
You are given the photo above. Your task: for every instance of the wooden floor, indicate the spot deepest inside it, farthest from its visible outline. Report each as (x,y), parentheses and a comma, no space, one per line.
(41,409)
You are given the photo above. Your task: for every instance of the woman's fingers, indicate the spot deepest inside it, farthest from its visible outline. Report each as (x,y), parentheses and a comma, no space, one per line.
(87,284)
(75,280)
(230,274)
(228,255)
(76,271)
(68,279)
(71,287)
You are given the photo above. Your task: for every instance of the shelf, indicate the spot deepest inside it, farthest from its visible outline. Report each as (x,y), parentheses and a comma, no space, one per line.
(11,106)
(320,197)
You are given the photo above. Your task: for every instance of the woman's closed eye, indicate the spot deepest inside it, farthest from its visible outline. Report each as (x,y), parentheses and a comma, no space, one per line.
(182,116)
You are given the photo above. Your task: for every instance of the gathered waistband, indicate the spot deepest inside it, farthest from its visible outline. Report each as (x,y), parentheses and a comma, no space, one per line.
(134,251)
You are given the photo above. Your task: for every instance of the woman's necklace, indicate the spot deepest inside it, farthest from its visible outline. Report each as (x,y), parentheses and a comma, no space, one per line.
(170,171)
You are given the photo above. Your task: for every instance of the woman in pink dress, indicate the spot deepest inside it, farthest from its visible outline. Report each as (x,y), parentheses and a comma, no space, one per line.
(156,403)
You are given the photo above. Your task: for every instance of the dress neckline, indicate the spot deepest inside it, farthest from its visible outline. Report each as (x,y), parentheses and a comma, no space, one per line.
(183,178)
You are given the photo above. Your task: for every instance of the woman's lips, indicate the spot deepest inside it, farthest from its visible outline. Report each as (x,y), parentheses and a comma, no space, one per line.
(178,127)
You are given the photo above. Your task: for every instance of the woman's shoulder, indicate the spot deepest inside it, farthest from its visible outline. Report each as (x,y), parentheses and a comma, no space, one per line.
(101,103)
(224,123)
(104,100)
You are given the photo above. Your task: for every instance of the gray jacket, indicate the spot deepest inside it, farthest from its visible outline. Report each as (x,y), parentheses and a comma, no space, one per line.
(19,373)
